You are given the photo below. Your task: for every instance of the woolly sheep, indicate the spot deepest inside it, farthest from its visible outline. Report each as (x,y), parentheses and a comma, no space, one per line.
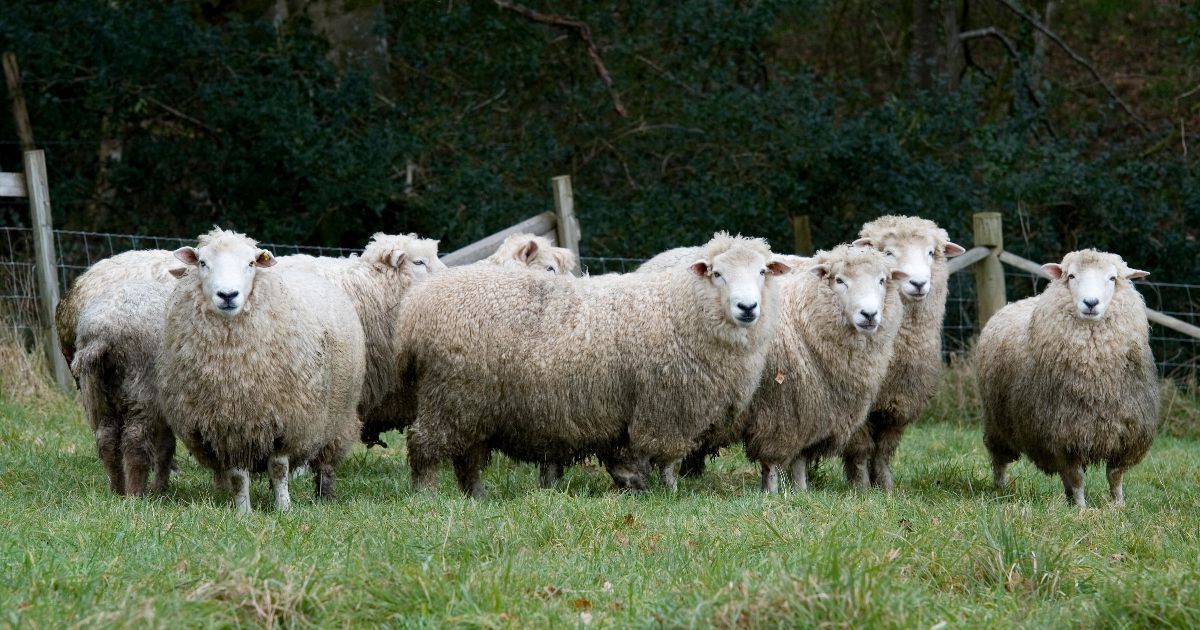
(110,324)
(550,369)
(830,355)
(527,251)
(375,283)
(260,369)
(920,249)
(1067,377)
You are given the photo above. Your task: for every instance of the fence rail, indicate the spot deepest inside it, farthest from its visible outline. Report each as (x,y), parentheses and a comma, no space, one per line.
(1175,329)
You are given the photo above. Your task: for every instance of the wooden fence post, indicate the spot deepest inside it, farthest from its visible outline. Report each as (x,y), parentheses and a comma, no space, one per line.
(12,76)
(989,273)
(45,260)
(564,208)
(802,230)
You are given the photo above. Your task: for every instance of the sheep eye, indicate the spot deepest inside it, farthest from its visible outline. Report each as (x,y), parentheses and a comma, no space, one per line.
(840,281)
(1070,276)
(881,282)
(550,269)
(930,252)
(1112,278)
(203,264)
(716,274)
(889,253)
(419,262)
(762,272)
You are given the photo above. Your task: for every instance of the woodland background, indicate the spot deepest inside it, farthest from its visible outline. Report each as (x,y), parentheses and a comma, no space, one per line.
(322,121)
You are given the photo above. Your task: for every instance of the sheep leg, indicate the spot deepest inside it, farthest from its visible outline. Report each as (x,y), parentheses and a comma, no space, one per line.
(800,473)
(548,474)
(1002,456)
(467,469)
(222,481)
(135,455)
(693,465)
(1000,474)
(1116,485)
(108,446)
(164,459)
(1072,478)
(278,469)
(325,480)
(770,478)
(239,481)
(669,476)
(887,442)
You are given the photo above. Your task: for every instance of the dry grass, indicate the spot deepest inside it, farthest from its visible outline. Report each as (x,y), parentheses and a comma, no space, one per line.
(24,370)
(262,597)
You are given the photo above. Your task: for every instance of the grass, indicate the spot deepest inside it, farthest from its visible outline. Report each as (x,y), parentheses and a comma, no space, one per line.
(945,547)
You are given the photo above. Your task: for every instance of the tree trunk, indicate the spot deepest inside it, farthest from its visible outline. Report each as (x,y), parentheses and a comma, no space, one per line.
(925,46)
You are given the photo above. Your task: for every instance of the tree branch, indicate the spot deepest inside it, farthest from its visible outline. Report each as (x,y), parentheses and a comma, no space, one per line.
(998,34)
(585,33)
(1077,58)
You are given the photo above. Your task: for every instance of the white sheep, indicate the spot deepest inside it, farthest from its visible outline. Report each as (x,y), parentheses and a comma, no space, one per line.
(830,355)
(1067,377)
(260,369)
(920,249)
(528,251)
(549,369)
(110,325)
(376,283)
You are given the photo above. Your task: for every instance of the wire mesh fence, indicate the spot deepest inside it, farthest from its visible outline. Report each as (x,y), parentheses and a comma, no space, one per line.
(1176,354)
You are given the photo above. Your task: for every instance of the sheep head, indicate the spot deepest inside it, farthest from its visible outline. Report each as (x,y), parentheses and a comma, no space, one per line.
(858,278)
(226,264)
(914,244)
(1092,277)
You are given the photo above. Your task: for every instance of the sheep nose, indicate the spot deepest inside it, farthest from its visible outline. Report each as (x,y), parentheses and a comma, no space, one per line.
(869,315)
(748,307)
(918,284)
(227,295)
(1091,303)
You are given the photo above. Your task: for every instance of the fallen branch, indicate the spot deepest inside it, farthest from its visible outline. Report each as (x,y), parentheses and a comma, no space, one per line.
(585,33)
(1077,58)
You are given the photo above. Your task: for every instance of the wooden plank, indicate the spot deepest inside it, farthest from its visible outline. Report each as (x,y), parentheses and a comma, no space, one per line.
(989,273)
(567,225)
(45,260)
(1166,321)
(972,256)
(12,75)
(484,247)
(802,232)
(12,185)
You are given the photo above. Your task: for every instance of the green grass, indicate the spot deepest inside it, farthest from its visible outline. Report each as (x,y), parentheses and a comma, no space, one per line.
(944,547)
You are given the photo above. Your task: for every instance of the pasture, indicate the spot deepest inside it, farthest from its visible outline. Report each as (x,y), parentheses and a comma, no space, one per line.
(944,548)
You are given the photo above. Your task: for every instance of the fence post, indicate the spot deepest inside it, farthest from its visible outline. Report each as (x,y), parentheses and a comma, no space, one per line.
(567,225)
(989,273)
(44,259)
(802,230)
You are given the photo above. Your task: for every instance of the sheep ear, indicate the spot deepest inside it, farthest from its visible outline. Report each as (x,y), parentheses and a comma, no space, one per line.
(178,272)
(1136,274)
(396,258)
(777,267)
(898,275)
(1054,270)
(265,259)
(820,271)
(527,253)
(953,249)
(864,242)
(700,268)
(187,255)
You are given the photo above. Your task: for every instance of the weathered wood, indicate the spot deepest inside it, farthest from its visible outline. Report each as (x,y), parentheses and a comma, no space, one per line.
(972,256)
(564,210)
(45,260)
(484,247)
(989,273)
(12,76)
(12,185)
(1166,321)
(802,232)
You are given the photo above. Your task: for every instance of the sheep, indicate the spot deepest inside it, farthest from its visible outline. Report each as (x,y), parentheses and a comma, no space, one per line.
(829,358)
(376,283)
(527,251)
(1067,377)
(110,324)
(920,249)
(258,368)
(550,369)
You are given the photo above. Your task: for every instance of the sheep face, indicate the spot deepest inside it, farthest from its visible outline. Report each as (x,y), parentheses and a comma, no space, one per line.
(226,267)
(415,256)
(913,254)
(1092,279)
(738,277)
(526,251)
(861,288)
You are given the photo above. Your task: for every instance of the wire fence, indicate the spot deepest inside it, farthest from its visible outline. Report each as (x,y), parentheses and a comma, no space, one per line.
(1176,354)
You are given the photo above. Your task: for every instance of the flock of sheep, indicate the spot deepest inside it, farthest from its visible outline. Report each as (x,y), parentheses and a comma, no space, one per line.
(260,363)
